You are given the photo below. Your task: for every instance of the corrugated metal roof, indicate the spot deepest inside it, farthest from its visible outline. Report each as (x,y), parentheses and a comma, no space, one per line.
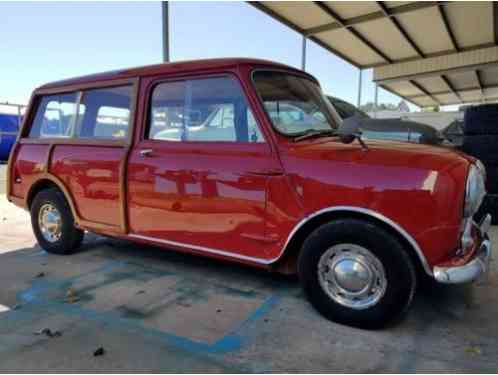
(426,47)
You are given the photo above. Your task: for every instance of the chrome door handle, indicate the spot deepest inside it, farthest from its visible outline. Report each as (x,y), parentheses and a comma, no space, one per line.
(146,152)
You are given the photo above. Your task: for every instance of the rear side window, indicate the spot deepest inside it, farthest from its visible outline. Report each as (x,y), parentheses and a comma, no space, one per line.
(55,117)
(106,113)
(94,114)
(202,110)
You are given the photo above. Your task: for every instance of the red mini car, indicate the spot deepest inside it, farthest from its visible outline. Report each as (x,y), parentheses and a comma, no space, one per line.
(241,160)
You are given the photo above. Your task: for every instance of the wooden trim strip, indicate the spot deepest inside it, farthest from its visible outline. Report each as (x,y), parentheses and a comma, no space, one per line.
(72,141)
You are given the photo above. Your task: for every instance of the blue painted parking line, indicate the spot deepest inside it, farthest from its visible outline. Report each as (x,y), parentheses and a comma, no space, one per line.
(38,295)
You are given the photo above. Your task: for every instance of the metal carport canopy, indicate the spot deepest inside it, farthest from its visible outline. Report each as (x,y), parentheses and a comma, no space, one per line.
(429,53)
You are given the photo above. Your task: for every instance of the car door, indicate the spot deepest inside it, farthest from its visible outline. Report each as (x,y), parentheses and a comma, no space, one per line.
(198,176)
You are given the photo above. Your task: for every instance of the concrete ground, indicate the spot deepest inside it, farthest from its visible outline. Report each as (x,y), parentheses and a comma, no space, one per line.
(3,177)
(153,310)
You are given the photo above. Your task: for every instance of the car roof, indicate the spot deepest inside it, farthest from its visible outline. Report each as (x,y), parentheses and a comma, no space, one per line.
(170,68)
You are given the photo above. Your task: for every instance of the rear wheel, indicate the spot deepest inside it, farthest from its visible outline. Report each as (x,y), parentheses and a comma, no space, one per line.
(53,223)
(356,273)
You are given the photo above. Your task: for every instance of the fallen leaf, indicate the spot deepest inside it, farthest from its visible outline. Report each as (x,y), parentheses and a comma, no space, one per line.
(71,296)
(473,350)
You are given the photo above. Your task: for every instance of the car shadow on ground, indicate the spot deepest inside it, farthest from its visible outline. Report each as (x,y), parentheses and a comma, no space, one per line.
(432,300)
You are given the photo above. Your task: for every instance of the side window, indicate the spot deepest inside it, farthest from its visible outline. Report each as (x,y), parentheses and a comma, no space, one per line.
(202,110)
(167,115)
(105,113)
(55,116)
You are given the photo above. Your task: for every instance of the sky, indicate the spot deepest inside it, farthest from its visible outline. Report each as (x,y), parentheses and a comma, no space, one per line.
(48,41)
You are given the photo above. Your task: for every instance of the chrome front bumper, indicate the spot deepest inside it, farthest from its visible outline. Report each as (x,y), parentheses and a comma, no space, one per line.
(473,269)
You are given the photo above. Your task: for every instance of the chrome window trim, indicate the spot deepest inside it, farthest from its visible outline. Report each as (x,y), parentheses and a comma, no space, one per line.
(361,210)
(203,249)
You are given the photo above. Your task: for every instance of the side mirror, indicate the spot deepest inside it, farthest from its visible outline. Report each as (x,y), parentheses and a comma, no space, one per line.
(350,129)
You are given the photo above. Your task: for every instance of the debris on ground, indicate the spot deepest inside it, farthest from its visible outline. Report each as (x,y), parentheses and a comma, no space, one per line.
(40,274)
(71,296)
(100,351)
(48,332)
(218,310)
(141,292)
(473,349)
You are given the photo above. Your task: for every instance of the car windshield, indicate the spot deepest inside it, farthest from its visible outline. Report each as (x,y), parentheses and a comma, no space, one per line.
(295,104)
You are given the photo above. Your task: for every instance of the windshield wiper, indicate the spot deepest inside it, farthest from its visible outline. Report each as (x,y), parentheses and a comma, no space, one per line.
(311,133)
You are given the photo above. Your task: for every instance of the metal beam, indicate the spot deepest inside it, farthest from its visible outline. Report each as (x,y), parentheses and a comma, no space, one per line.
(299,30)
(165,23)
(434,54)
(376,100)
(303,54)
(461,91)
(479,82)
(351,30)
(412,98)
(450,86)
(402,9)
(388,13)
(436,66)
(427,93)
(360,78)
(444,18)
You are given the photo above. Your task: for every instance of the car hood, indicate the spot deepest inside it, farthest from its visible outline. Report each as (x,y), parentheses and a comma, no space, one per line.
(379,152)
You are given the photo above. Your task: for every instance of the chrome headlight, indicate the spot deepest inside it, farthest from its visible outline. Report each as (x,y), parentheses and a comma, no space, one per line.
(482,168)
(475,190)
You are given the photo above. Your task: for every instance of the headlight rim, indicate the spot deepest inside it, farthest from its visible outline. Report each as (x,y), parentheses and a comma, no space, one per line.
(475,190)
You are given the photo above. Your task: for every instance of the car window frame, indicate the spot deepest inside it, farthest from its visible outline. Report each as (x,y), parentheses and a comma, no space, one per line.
(79,89)
(335,116)
(144,134)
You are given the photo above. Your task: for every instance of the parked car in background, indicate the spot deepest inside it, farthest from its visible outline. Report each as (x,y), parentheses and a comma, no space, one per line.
(246,160)
(9,127)
(454,133)
(345,109)
(389,129)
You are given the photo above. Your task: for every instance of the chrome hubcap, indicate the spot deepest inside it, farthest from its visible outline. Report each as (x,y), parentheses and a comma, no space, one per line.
(352,276)
(50,222)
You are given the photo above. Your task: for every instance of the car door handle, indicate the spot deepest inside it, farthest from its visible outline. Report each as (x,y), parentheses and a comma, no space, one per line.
(146,152)
(266,172)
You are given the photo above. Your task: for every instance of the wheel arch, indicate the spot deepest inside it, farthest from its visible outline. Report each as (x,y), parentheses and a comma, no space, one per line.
(287,261)
(47,182)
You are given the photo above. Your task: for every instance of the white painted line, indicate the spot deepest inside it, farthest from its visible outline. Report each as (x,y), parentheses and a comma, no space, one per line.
(4,308)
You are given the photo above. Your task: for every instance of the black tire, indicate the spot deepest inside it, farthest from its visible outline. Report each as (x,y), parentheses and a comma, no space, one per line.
(398,267)
(481,120)
(70,236)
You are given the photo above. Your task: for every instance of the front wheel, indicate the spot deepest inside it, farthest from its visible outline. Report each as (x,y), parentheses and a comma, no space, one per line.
(356,273)
(53,223)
